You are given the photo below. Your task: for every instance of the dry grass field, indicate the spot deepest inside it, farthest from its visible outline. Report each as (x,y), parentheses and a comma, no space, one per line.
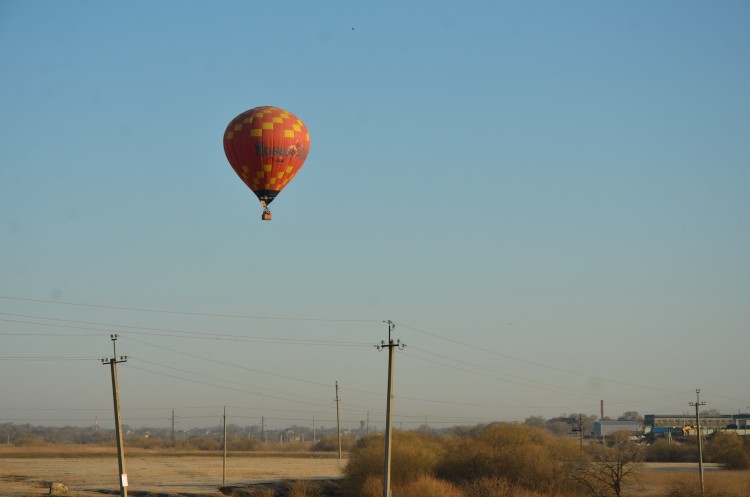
(92,471)
(657,479)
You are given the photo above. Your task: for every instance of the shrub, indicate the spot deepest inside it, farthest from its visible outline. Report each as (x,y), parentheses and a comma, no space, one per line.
(305,488)
(413,455)
(428,486)
(371,487)
(30,441)
(206,443)
(524,455)
(663,451)
(728,449)
(497,487)
(692,488)
(243,444)
(331,444)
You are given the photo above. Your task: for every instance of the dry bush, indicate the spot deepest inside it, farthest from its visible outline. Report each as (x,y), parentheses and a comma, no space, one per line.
(243,444)
(691,488)
(428,486)
(371,487)
(331,444)
(497,487)
(305,488)
(413,455)
(525,456)
(30,441)
(489,487)
(662,450)
(730,450)
(255,492)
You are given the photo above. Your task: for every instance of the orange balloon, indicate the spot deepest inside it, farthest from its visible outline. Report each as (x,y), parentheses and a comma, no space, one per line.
(266,146)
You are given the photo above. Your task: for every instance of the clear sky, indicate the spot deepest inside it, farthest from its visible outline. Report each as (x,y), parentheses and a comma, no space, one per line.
(551,200)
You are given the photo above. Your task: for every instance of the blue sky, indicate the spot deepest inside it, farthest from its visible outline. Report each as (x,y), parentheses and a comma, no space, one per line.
(550,200)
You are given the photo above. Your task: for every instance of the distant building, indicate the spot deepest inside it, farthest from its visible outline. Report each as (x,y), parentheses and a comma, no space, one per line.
(605,427)
(719,422)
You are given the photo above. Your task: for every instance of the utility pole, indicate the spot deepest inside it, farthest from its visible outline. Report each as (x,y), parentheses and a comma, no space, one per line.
(224,465)
(263,435)
(118,423)
(173,439)
(367,426)
(338,422)
(391,345)
(579,428)
(314,440)
(697,405)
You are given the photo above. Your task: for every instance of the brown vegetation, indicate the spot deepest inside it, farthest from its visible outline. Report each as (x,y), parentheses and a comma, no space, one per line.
(503,460)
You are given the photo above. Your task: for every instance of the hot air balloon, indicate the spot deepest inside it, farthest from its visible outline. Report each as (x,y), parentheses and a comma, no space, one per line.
(266,146)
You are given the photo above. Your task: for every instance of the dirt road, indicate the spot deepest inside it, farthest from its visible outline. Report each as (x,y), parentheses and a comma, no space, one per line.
(86,474)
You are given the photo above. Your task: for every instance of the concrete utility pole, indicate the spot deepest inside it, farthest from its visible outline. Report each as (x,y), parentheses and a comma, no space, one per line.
(579,428)
(118,424)
(224,465)
(391,345)
(697,405)
(338,422)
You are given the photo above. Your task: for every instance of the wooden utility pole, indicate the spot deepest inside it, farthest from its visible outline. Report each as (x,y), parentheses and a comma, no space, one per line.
(697,405)
(118,424)
(338,421)
(391,345)
(173,439)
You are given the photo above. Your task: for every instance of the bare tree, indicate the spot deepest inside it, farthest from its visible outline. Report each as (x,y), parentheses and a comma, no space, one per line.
(631,416)
(602,469)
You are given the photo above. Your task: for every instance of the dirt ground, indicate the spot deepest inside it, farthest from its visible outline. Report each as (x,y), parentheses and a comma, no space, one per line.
(92,472)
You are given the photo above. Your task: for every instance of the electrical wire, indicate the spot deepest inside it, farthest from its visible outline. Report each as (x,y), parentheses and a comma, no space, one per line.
(180,333)
(191,313)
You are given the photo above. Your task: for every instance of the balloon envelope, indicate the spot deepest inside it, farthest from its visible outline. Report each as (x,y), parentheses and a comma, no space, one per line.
(266,146)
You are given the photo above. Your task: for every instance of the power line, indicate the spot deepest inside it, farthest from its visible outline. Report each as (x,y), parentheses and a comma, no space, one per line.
(178,333)
(29,358)
(245,368)
(525,382)
(215,378)
(534,363)
(190,313)
(225,387)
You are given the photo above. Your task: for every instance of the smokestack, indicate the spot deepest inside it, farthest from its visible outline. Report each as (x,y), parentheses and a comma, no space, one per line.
(601,408)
